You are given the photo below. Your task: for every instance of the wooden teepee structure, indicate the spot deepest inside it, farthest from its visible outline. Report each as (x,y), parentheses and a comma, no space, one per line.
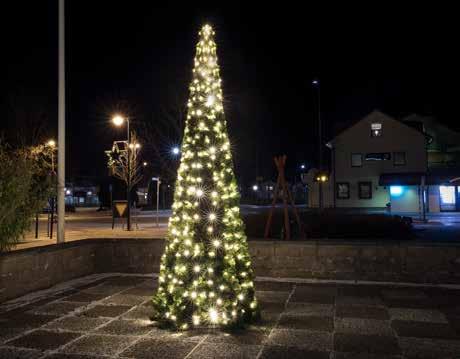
(280,163)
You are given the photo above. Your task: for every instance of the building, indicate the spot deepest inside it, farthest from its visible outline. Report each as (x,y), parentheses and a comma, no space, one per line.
(407,166)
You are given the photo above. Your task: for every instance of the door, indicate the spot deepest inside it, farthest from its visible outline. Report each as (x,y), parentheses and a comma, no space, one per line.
(448,198)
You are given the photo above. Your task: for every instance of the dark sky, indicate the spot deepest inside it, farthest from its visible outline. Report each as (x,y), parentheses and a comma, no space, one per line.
(398,60)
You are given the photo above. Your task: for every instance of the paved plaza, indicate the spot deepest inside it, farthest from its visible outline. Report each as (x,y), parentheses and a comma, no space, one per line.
(107,316)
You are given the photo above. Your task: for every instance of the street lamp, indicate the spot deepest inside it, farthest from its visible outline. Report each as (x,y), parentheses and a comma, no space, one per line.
(302,166)
(144,164)
(255,188)
(118,121)
(316,84)
(175,150)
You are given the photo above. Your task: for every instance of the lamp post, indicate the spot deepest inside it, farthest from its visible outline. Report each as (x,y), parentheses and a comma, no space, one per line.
(158,198)
(316,84)
(118,121)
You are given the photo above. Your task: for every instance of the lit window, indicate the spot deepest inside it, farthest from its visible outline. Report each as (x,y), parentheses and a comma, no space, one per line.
(343,190)
(365,190)
(376,129)
(447,194)
(356,160)
(396,191)
(382,156)
(399,158)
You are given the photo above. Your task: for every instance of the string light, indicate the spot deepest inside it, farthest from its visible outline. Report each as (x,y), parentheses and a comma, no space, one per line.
(205,273)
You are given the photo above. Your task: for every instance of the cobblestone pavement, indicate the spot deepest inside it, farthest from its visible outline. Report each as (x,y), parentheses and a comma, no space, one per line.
(108,316)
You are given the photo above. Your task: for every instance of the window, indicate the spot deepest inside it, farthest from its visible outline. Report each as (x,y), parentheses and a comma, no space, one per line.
(356,160)
(382,156)
(399,158)
(376,129)
(343,190)
(365,190)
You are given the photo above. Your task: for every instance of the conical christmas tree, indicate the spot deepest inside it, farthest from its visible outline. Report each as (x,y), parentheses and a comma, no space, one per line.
(205,277)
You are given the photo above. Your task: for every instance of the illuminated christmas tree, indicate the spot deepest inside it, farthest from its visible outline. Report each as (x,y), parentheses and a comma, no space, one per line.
(206,277)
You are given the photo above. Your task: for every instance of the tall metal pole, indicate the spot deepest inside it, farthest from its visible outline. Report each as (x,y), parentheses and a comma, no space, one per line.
(320,145)
(61,127)
(158,200)
(128,189)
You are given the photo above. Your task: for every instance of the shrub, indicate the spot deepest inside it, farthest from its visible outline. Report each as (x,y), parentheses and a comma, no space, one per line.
(25,185)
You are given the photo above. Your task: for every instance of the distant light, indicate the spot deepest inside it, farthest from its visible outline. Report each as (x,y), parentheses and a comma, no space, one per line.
(175,150)
(270,188)
(89,193)
(68,192)
(255,187)
(138,145)
(118,120)
(302,166)
(145,164)
(51,143)
(396,191)
(315,82)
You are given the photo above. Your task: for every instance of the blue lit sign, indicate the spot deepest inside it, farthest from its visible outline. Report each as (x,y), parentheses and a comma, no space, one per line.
(396,191)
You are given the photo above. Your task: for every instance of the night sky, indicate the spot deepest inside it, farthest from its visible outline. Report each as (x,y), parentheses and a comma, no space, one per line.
(400,61)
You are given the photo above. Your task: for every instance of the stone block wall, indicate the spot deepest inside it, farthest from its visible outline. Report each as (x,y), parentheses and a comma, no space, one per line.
(31,269)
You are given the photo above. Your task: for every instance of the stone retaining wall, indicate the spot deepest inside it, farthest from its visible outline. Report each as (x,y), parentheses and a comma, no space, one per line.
(31,269)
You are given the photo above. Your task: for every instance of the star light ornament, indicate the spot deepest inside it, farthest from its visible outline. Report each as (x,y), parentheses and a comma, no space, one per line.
(205,277)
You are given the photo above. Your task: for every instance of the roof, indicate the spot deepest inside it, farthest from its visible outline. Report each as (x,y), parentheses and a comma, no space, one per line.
(375,115)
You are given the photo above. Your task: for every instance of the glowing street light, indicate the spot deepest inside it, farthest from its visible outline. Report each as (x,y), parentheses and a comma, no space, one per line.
(255,188)
(118,120)
(175,150)
(302,166)
(51,143)
(144,164)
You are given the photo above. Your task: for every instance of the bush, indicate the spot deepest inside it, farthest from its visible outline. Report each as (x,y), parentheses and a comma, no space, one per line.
(25,185)
(332,224)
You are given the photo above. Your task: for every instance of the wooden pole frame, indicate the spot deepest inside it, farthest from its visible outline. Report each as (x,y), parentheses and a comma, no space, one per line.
(280,163)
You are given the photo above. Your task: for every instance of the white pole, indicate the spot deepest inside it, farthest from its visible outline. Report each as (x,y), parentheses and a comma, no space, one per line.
(158,201)
(61,127)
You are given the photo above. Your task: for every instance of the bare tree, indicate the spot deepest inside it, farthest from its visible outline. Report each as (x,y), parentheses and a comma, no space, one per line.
(165,131)
(118,161)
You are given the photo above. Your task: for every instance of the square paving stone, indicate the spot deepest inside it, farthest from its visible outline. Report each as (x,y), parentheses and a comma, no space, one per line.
(43,340)
(404,293)
(322,324)
(57,308)
(29,320)
(363,326)
(418,315)
(273,286)
(94,344)
(355,300)
(106,311)
(314,309)
(423,329)
(244,337)
(159,348)
(282,352)
(139,312)
(322,295)
(338,355)
(374,344)
(126,327)
(125,281)
(19,353)
(306,339)
(360,291)
(272,307)
(7,333)
(83,297)
(77,323)
(410,303)
(150,283)
(224,350)
(141,291)
(430,348)
(104,289)
(124,299)
(272,297)
(72,356)
(353,311)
